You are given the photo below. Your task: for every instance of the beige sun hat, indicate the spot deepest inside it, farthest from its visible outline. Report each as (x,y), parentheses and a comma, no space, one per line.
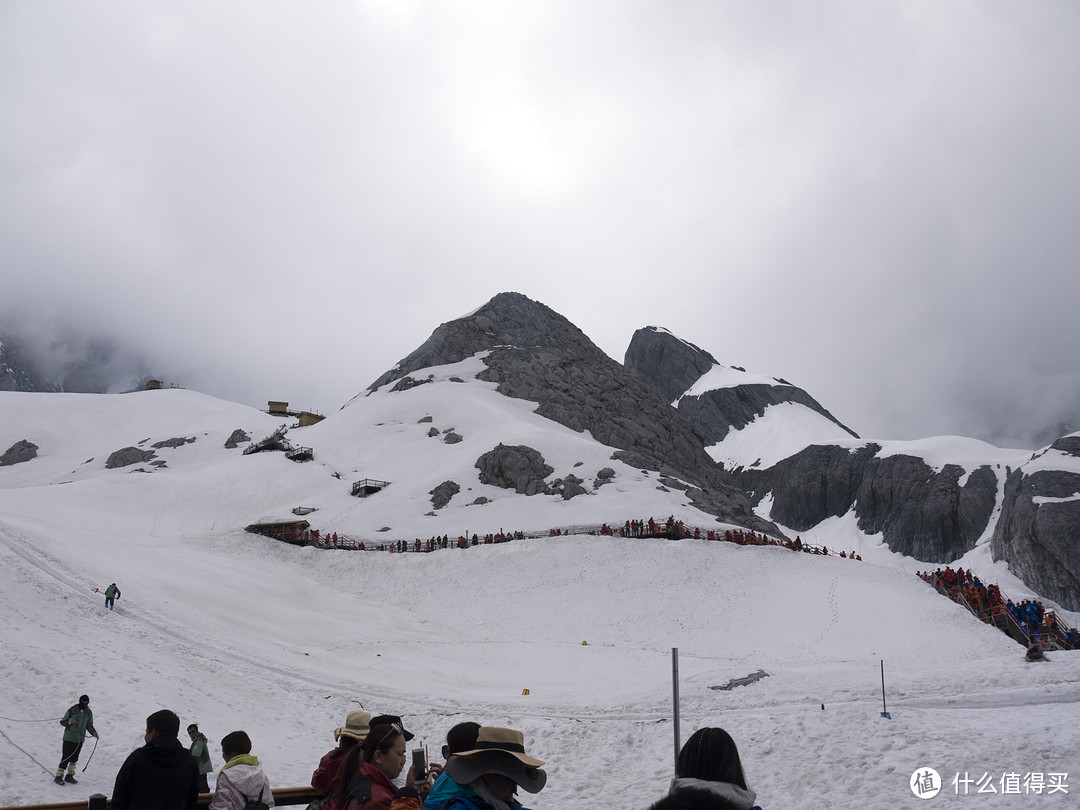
(502,751)
(357,725)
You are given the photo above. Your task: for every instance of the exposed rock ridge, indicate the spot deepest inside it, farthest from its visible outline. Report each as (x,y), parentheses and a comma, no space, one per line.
(665,362)
(672,366)
(1037,532)
(920,512)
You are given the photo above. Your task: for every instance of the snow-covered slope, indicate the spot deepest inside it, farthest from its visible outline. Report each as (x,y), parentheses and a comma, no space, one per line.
(235,631)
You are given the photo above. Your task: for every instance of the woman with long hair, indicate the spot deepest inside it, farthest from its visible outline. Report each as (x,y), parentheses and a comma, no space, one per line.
(710,761)
(365,780)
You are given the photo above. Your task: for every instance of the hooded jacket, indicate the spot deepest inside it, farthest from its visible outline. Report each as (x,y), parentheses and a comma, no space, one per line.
(743,798)
(162,775)
(241,779)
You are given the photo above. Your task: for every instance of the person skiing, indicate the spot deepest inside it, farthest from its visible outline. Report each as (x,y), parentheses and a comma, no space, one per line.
(112,593)
(76,722)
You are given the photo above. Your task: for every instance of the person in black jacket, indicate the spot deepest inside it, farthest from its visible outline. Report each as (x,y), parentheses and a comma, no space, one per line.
(162,775)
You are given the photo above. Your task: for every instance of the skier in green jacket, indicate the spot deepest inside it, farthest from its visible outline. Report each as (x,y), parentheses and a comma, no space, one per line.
(112,593)
(76,722)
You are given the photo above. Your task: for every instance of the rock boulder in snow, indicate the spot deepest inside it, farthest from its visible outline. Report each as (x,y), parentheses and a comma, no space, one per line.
(519,468)
(126,456)
(18,453)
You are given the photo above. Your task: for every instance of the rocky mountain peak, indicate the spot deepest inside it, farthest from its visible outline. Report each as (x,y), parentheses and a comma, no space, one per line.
(667,363)
(509,319)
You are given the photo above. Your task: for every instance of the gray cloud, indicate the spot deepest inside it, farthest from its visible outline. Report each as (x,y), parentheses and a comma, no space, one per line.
(275,200)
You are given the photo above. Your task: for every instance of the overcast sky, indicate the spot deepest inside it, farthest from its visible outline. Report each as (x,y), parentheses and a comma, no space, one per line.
(876,201)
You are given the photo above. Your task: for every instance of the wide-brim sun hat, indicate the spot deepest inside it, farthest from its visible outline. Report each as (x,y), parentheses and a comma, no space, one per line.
(501,751)
(357,725)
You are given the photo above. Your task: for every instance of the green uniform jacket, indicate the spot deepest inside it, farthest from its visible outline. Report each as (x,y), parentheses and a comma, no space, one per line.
(201,752)
(76,722)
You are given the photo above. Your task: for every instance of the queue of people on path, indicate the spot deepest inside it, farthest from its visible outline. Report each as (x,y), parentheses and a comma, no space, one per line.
(671,529)
(1039,626)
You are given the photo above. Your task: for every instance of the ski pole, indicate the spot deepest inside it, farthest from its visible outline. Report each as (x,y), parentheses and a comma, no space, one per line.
(92,750)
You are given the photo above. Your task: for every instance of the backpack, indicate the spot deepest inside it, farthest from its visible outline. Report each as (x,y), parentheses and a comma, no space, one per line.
(254,804)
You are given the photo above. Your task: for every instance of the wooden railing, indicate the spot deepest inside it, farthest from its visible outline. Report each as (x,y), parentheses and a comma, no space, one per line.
(283,797)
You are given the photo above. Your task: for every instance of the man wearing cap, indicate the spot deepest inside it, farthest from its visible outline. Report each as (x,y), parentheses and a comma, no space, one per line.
(487,777)
(76,722)
(354,732)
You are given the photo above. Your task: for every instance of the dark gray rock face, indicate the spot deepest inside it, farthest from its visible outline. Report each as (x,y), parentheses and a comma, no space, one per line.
(519,468)
(173,443)
(127,456)
(441,495)
(569,487)
(1037,532)
(1070,445)
(665,362)
(18,453)
(920,512)
(15,374)
(672,366)
(537,355)
(604,476)
(236,438)
(452,437)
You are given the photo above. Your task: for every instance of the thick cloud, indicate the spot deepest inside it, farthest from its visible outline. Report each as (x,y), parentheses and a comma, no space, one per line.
(280,200)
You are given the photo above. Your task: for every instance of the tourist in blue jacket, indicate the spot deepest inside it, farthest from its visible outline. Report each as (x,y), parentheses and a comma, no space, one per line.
(488,776)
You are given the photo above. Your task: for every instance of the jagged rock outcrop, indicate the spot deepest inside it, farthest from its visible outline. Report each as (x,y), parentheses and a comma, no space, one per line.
(173,443)
(19,453)
(604,476)
(667,363)
(236,438)
(672,366)
(441,495)
(126,456)
(568,487)
(518,467)
(533,353)
(1037,531)
(921,512)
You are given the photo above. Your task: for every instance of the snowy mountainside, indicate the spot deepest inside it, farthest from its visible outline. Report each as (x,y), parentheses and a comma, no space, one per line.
(234,630)
(380,436)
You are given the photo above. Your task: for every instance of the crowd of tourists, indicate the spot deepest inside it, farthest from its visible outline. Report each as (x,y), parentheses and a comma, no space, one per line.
(370,768)
(1037,624)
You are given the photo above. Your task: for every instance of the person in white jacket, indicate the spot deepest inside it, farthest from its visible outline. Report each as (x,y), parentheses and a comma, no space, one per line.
(241,779)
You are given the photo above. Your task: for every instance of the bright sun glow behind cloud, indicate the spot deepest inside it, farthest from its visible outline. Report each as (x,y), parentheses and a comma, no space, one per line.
(515,143)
